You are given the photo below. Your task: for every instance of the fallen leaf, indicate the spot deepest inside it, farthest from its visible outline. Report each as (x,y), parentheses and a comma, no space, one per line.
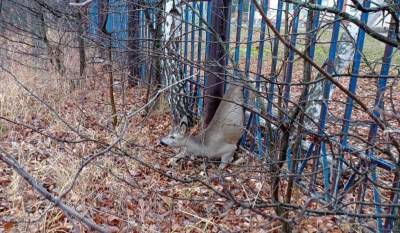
(8,226)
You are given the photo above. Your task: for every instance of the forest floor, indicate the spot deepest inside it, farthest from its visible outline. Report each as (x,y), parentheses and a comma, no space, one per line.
(51,130)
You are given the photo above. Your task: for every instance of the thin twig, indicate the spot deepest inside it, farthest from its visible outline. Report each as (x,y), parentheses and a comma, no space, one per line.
(10,161)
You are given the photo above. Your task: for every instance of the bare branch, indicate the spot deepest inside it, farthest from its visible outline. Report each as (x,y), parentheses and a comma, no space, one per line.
(349,18)
(10,161)
(80,4)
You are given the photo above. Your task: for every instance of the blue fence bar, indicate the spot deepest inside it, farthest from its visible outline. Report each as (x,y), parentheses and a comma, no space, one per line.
(352,88)
(355,71)
(275,50)
(238,34)
(314,32)
(199,59)
(186,37)
(192,40)
(247,64)
(328,84)
(289,68)
(258,80)
(250,32)
(228,36)
(208,35)
(382,82)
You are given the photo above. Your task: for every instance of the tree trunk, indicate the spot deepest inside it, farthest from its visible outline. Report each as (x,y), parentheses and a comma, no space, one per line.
(216,59)
(157,47)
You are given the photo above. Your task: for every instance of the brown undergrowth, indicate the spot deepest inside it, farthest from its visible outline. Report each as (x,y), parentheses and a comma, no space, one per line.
(133,191)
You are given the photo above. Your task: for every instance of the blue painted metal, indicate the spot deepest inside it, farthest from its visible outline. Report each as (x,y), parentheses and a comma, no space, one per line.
(192,49)
(350,182)
(273,75)
(110,21)
(315,23)
(94,18)
(261,46)
(258,79)
(382,82)
(186,37)
(238,34)
(328,84)
(117,22)
(382,163)
(353,81)
(237,49)
(274,64)
(208,33)
(311,53)
(306,158)
(377,200)
(393,210)
(289,67)
(118,26)
(199,60)
(352,88)
(228,36)
(192,39)
(247,64)
(208,39)
(250,32)
(325,171)
(289,159)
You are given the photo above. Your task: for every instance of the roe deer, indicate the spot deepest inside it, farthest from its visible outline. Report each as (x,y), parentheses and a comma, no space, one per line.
(219,140)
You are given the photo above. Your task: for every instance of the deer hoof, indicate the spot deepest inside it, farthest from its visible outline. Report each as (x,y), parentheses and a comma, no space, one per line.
(173,162)
(222,166)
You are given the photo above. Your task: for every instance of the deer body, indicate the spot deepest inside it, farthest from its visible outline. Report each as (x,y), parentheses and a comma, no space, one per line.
(219,140)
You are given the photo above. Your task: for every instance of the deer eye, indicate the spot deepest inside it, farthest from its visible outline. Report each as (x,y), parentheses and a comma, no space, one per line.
(173,137)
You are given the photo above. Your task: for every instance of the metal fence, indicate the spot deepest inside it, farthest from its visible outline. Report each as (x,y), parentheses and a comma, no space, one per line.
(345,152)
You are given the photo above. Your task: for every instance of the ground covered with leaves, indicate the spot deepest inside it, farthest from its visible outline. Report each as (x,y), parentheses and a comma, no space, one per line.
(119,177)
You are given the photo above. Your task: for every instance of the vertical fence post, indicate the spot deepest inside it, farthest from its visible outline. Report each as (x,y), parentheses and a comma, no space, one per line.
(192,49)
(382,82)
(289,67)
(199,60)
(324,107)
(352,88)
(258,79)
(274,64)
(186,39)
(228,36)
(238,33)
(273,76)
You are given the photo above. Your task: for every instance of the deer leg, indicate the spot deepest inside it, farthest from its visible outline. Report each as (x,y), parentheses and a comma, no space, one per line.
(174,160)
(226,159)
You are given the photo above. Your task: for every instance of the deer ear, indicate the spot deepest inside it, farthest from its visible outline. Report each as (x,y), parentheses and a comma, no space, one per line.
(183,124)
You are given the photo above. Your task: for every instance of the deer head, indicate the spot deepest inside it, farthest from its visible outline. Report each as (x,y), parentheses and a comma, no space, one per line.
(178,135)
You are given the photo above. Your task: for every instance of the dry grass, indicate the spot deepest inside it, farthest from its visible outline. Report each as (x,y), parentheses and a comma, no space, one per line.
(123,193)
(115,191)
